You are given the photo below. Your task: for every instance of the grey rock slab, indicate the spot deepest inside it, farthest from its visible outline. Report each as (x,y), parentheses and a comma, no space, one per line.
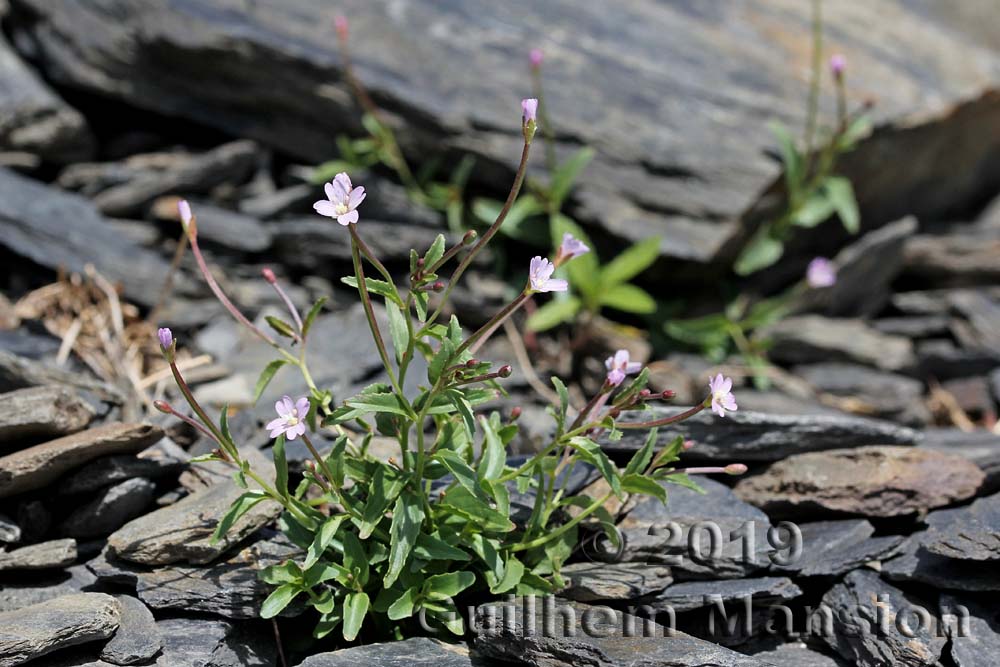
(61,230)
(942,359)
(980,447)
(228,229)
(31,632)
(183,531)
(10,532)
(529,631)
(110,509)
(804,339)
(972,533)
(877,481)
(589,582)
(935,301)
(33,119)
(164,458)
(974,632)
(748,436)
(914,326)
(293,199)
(982,315)
(953,259)
(42,412)
(688,595)
(137,639)
(799,655)
(914,563)
(416,652)
(652,173)
(17,591)
(18,372)
(37,466)
(697,535)
(42,556)
(853,604)
(875,393)
(833,548)
(311,243)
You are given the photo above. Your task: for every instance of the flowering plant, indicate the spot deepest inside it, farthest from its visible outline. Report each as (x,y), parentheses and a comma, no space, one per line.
(387,539)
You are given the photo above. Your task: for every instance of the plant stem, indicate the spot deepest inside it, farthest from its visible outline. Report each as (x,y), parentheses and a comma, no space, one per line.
(544,539)
(326,480)
(812,108)
(666,420)
(369,311)
(487,329)
(202,415)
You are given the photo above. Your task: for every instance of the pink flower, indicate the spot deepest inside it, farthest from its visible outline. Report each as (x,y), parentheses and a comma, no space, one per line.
(291,419)
(540,277)
(184,210)
(838,63)
(166,337)
(619,366)
(535,57)
(821,273)
(722,395)
(569,248)
(529,110)
(341,200)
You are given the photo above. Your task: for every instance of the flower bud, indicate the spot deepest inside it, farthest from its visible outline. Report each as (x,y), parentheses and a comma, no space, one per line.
(420,263)
(163,407)
(165,336)
(505,371)
(645,393)
(515,413)
(838,63)
(535,57)
(184,211)
(340,23)
(688,444)
(469,237)
(438,286)
(269,275)
(472,363)
(529,118)
(668,394)
(735,469)
(615,413)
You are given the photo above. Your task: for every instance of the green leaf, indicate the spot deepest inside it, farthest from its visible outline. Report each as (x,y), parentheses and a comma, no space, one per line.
(592,453)
(435,252)
(279,598)
(644,485)
(355,608)
(355,557)
(640,460)
(816,209)
(397,329)
(381,494)
(380,287)
(407,515)
(512,573)
(403,606)
(515,224)
(280,466)
(281,327)
(856,130)
(553,313)
(629,298)
(240,506)
(387,402)
(440,361)
(265,377)
(464,474)
(429,547)
(759,253)
(563,402)
(324,536)
(311,315)
(473,507)
(444,586)
(566,174)
(634,260)
(790,156)
(840,192)
(494,456)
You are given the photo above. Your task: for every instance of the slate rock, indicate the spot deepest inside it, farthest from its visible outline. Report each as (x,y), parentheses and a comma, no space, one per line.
(804,339)
(190,642)
(164,458)
(183,531)
(553,633)
(975,632)
(31,632)
(972,533)
(111,509)
(17,590)
(799,655)
(42,412)
(34,119)
(877,481)
(293,199)
(63,231)
(688,595)
(942,359)
(935,301)
(953,259)
(833,548)
(18,372)
(310,243)
(982,316)
(870,392)
(658,534)
(589,582)
(914,326)
(418,652)
(10,532)
(137,639)
(747,436)
(852,603)
(43,556)
(221,227)
(35,467)
(980,447)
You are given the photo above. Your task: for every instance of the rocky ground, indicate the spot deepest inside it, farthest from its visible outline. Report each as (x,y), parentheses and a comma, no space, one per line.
(877,442)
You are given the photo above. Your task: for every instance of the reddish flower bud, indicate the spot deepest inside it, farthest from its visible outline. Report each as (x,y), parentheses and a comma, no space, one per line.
(505,371)
(268,275)
(472,363)
(735,469)
(163,407)
(469,237)
(668,394)
(688,444)
(515,413)
(340,23)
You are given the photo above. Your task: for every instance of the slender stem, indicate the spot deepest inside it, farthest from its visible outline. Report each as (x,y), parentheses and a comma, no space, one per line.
(812,108)
(369,311)
(290,306)
(168,282)
(370,256)
(327,478)
(198,410)
(485,238)
(666,420)
(548,537)
(605,390)
(495,321)
(192,422)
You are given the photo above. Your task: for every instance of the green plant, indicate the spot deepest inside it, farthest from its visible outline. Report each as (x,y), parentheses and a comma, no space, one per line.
(385,540)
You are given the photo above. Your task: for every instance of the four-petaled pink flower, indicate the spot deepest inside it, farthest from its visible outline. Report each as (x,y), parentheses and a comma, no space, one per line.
(569,248)
(342,200)
(838,63)
(619,366)
(529,110)
(722,395)
(821,273)
(291,419)
(540,277)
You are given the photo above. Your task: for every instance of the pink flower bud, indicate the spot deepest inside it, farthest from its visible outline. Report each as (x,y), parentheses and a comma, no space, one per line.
(536,58)
(184,210)
(340,23)
(821,273)
(838,63)
(163,407)
(166,337)
(529,110)
(268,275)
(515,413)
(505,371)
(735,469)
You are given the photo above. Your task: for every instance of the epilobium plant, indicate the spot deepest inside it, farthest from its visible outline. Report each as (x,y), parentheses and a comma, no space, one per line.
(384,540)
